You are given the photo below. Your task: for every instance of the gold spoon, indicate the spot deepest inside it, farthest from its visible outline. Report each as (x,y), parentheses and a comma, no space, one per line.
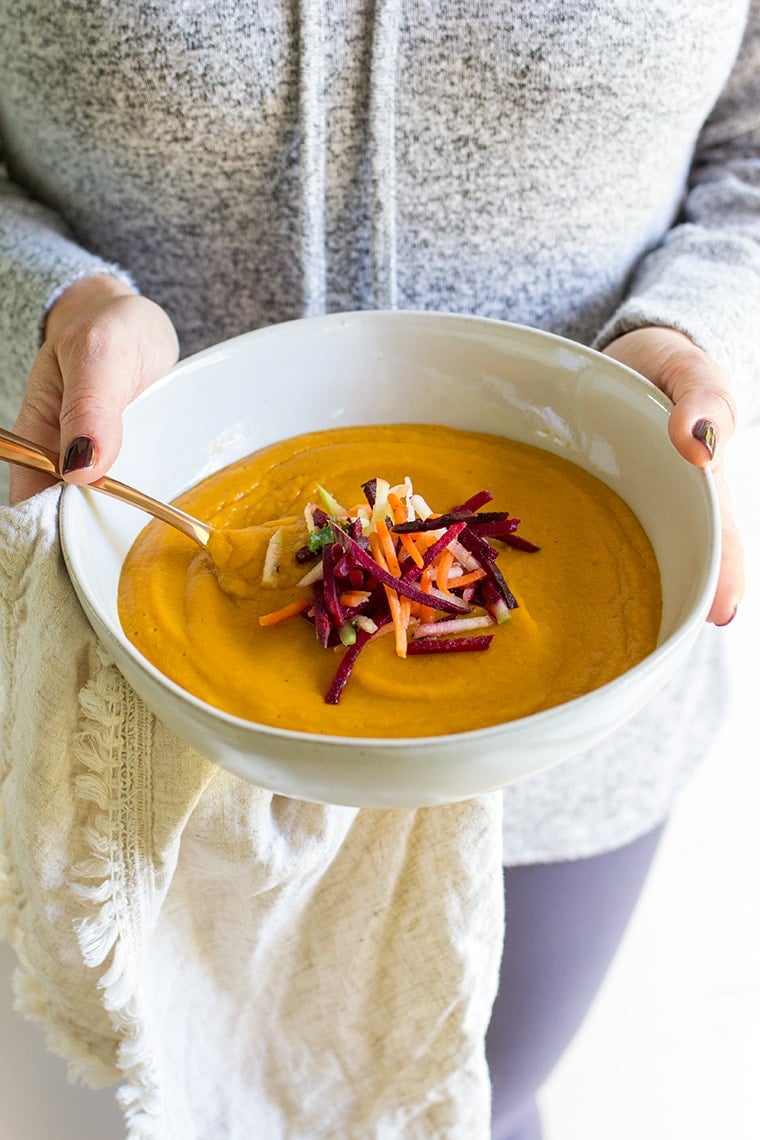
(14,449)
(231,550)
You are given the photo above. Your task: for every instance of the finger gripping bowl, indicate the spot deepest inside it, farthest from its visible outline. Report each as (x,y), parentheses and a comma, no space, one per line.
(355,368)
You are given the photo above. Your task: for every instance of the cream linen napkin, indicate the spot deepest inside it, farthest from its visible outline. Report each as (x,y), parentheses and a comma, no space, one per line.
(247,966)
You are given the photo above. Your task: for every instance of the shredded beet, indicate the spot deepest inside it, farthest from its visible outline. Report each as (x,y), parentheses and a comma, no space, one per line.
(402,585)
(518,542)
(449,644)
(475,502)
(370,491)
(343,672)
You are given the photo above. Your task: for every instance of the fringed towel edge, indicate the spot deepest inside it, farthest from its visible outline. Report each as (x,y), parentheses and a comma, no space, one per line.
(112,778)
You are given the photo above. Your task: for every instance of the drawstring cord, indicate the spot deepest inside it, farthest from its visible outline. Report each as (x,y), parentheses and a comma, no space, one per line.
(382,149)
(382,142)
(312,115)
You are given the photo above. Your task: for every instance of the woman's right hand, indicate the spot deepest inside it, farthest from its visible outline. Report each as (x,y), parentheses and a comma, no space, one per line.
(103,345)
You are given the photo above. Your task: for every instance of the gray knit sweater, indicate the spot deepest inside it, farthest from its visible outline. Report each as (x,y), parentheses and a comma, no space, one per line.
(582,167)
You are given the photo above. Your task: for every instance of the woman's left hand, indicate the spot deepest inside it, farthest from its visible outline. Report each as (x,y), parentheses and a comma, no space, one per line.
(702,421)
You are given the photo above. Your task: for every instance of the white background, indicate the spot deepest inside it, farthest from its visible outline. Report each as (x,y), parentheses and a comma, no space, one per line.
(671,1049)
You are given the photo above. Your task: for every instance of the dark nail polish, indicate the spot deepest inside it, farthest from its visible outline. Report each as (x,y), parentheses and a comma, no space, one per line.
(79,454)
(707,433)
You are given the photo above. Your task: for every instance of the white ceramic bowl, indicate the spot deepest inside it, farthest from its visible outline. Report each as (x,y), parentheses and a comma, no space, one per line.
(360,368)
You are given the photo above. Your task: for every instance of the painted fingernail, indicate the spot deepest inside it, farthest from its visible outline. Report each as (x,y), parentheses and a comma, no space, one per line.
(707,433)
(79,454)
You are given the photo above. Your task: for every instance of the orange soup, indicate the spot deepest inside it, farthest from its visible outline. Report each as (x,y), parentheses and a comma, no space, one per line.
(588,601)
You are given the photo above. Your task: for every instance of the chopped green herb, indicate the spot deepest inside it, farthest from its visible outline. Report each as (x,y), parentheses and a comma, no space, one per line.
(318,539)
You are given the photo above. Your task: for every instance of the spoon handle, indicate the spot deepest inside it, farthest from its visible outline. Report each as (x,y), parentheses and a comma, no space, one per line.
(14,449)
(198,531)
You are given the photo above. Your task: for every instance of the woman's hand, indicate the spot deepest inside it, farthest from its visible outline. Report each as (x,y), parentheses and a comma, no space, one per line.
(702,420)
(103,345)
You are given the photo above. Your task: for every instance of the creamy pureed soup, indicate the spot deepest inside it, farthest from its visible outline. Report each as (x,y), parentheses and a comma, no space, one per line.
(588,601)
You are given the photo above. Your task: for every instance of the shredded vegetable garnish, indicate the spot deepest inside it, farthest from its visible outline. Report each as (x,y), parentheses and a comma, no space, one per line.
(391,565)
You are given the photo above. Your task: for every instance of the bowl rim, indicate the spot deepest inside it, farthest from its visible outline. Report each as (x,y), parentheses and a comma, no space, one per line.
(226,347)
(667,649)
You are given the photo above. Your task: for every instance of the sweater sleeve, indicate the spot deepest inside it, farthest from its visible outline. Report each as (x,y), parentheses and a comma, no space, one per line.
(38,260)
(704,279)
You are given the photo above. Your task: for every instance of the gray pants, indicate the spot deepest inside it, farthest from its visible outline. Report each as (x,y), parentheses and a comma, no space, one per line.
(564,924)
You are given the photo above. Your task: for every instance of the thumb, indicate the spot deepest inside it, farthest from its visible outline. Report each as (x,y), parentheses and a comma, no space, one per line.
(104,344)
(79,418)
(701,422)
(90,423)
(103,368)
(704,415)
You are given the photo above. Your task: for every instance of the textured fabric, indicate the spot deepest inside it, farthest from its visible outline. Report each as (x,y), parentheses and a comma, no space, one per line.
(562,165)
(250,966)
(250,162)
(570,166)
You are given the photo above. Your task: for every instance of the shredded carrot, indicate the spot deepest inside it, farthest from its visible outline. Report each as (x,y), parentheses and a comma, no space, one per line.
(402,633)
(427,538)
(398,508)
(376,550)
(412,549)
(284,612)
(444,562)
(353,597)
(427,613)
(378,543)
(465,579)
(397,614)
(421,540)
(387,547)
(408,541)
